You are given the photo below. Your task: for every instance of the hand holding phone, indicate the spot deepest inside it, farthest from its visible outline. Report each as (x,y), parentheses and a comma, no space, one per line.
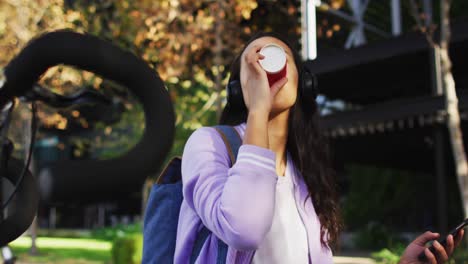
(443,240)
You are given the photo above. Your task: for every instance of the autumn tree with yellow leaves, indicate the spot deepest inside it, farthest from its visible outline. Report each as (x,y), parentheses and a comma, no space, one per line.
(190,44)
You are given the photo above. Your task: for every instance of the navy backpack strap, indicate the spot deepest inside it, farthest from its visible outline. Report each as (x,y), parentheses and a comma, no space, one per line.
(201,238)
(233,141)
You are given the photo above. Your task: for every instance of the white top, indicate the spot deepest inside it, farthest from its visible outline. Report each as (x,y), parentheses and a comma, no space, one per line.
(286,242)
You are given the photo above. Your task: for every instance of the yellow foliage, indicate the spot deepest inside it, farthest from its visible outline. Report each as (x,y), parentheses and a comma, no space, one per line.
(176,37)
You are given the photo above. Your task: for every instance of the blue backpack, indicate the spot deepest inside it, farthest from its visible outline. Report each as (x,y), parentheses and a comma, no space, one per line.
(163,207)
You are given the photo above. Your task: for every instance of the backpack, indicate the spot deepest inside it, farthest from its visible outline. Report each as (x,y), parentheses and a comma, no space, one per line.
(162,210)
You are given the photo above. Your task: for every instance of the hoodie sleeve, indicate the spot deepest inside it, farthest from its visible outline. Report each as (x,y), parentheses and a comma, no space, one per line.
(236,204)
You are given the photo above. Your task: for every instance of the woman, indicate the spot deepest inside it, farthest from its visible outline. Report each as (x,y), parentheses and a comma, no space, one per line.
(277,204)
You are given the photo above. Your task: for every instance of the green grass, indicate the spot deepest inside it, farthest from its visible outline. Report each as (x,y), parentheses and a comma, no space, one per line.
(63,250)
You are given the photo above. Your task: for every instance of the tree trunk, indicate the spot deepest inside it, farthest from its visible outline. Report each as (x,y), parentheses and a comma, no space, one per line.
(453,115)
(218,56)
(33,231)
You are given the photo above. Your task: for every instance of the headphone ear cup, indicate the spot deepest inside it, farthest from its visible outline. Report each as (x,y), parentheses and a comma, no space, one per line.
(234,93)
(309,85)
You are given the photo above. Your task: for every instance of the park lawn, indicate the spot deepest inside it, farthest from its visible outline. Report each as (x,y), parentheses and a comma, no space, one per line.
(63,250)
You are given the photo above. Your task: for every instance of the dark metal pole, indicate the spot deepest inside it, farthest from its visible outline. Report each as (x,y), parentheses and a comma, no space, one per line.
(439,150)
(2,149)
(2,171)
(441,181)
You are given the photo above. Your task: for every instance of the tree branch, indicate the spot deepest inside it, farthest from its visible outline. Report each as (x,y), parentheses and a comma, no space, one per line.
(426,31)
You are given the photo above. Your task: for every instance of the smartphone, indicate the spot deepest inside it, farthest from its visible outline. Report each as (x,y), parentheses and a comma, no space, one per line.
(443,239)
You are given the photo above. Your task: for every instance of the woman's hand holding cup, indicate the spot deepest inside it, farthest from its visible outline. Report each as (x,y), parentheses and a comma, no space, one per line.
(255,81)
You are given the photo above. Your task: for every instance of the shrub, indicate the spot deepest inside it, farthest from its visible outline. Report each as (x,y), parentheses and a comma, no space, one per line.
(392,255)
(376,236)
(386,196)
(460,256)
(127,249)
(386,256)
(111,233)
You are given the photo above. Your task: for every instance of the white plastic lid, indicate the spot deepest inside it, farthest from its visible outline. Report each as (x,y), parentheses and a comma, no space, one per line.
(275,58)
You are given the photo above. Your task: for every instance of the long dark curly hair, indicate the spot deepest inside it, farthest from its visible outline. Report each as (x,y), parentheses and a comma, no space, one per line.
(307,146)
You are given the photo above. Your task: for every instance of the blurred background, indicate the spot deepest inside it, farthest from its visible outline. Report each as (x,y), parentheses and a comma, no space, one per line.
(382,101)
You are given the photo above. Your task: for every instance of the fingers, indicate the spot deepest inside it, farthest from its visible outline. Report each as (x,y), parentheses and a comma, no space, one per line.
(252,57)
(440,252)
(430,257)
(450,245)
(277,85)
(458,238)
(426,237)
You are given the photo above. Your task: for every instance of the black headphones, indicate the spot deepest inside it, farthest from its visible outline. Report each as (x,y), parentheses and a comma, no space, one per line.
(308,89)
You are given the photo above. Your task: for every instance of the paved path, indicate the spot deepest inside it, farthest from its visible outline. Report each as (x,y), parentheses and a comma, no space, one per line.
(353,257)
(352,260)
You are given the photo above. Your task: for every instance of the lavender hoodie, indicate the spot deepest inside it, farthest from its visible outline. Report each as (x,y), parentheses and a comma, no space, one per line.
(236,204)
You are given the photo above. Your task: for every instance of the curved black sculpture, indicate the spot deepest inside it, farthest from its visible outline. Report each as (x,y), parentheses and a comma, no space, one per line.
(24,207)
(73,180)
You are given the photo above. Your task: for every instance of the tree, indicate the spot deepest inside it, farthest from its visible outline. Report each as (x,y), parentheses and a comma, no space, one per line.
(189,43)
(447,84)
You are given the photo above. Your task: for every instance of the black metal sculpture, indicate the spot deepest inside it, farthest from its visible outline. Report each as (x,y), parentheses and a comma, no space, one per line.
(122,173)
